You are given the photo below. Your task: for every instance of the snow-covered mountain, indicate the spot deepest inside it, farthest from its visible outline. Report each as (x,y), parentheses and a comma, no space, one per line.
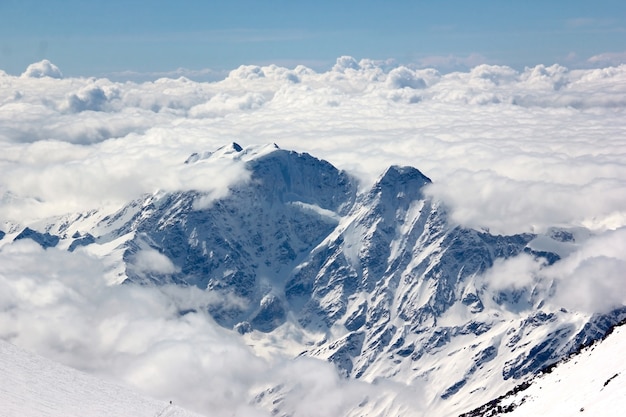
(591,382)
(380,280)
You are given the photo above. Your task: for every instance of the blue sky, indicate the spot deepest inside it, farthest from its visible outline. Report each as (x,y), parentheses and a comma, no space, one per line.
(103,37)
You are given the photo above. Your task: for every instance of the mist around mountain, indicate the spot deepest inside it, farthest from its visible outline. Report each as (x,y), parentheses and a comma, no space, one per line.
(405,311)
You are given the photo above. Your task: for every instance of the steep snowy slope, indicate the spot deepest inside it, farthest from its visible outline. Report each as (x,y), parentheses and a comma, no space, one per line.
(382,283)
(32,386)
(590,383)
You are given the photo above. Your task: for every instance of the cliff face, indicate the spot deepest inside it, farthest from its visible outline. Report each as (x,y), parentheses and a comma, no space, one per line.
(384,283)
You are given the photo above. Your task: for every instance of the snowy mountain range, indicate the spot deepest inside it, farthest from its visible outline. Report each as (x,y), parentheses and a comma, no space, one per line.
(590,382)
(380,281)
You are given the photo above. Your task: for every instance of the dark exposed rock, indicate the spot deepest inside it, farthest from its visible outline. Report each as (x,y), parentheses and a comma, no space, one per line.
(45,240)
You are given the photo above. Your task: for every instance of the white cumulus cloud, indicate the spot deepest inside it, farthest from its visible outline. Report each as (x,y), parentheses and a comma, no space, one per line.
(41,69)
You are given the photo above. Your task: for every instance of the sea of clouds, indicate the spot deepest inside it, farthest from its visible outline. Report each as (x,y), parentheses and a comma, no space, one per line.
(507,151)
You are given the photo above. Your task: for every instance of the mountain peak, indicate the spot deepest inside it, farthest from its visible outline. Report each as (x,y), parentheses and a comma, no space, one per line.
(399,182)
(234,151)
(231,149)
(384,283)
(403,175)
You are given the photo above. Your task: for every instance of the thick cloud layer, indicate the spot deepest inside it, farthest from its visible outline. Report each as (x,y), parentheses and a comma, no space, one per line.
(49,177)
(130,333)
(507,151)
(137,335)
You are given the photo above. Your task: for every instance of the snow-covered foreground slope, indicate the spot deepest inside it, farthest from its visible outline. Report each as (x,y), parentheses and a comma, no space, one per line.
(591,383)
(32,386)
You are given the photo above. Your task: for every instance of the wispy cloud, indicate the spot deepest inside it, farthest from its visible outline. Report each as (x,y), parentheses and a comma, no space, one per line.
(588,22)
(452,62)
(205,74)
(228,36)
(608,58)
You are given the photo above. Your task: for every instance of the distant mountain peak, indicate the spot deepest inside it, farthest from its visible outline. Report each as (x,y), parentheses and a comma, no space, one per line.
(397,175)
(234,151)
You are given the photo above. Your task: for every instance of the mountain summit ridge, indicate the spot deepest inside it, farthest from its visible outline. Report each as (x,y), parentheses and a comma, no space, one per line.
(385,284)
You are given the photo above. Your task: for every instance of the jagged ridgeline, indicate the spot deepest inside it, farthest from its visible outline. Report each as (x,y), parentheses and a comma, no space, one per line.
(391,288)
